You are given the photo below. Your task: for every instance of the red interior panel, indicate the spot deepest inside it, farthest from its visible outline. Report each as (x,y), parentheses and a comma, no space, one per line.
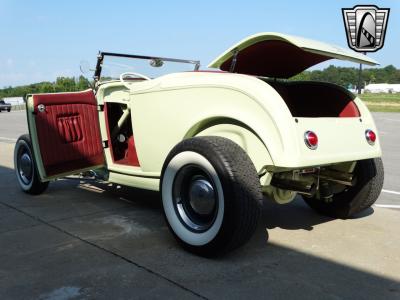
(70,128)
(129,157)
(273,58)
(68,131)
(121,153)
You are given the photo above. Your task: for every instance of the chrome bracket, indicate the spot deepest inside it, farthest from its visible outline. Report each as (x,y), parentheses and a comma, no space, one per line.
(234,60)
(41,108)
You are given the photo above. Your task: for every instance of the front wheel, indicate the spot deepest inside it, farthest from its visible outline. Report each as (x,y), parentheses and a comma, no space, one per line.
(369,175)
(25,167)
(211,195)
(9,109)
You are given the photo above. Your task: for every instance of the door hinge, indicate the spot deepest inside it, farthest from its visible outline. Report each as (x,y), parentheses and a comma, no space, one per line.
(105,144)
(100,107)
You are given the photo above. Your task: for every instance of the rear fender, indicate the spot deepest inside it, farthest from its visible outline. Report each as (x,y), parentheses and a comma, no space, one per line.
(244,137)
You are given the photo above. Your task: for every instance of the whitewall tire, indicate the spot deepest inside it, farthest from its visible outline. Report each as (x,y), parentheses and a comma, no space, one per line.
(190,235)
(211,195)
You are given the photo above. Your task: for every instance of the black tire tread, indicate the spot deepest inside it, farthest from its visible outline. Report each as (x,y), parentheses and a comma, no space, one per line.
(245,187)
(38,187)
(371,191)
(363,195)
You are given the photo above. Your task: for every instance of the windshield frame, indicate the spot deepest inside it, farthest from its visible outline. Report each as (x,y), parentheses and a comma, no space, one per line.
(102,55)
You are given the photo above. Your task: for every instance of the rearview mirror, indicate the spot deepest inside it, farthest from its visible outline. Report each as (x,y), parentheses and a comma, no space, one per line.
(84,66)
(156,62)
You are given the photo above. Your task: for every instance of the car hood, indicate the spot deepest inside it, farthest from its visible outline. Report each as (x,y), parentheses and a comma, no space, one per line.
(278,55)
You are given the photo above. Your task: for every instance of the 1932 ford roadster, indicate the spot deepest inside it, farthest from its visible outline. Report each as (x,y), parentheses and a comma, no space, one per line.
(213,142)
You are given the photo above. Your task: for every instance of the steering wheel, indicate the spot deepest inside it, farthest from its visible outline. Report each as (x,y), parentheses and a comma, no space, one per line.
(123,75)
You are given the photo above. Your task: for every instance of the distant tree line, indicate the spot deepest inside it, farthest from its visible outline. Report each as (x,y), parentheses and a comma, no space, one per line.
(344,76)
(347,77)
(62,84)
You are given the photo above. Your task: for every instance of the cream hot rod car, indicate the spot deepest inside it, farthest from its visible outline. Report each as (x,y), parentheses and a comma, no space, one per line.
(214,142)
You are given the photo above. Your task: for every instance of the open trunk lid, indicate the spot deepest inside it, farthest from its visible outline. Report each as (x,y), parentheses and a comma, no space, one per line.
(277,55)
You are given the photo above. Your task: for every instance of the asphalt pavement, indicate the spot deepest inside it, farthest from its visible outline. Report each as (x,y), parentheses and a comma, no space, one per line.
(389,133)
(84,239)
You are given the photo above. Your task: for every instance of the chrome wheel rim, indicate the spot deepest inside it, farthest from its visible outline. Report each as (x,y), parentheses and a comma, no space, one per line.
(25,165)
(195,198)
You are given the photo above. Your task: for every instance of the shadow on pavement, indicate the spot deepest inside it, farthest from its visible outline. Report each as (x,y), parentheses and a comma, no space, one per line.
(106,241)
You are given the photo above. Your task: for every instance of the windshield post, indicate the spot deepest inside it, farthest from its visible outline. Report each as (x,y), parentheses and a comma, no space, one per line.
(97,72)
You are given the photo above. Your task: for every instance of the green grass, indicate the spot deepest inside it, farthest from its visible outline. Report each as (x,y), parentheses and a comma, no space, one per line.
(380,108)
(381,97)
(382,102)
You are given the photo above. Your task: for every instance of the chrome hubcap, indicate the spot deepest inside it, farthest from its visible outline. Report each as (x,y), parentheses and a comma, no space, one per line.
(195,198)
(202,196)
(25,167)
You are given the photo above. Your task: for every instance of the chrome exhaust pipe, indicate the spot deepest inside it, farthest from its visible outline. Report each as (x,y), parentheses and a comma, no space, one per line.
(336,176)
(303,188)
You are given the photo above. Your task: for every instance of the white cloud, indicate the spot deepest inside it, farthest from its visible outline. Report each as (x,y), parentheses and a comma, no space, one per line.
(9,62)
(32,64)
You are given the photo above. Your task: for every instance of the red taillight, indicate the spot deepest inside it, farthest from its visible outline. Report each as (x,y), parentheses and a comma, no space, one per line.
(370,136)
(311,140)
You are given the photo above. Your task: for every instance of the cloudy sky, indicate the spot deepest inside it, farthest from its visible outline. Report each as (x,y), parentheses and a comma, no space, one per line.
(41,40)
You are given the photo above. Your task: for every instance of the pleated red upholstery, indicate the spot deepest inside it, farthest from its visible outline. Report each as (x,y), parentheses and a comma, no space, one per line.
(69,128)
(68,131)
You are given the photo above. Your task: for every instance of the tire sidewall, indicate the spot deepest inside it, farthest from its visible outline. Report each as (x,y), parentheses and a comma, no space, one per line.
(177,162)
(23,143)
(369,182)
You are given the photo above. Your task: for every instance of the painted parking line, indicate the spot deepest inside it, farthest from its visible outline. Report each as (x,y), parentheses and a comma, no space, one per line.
(7,139)
(391,192)
(387,205)
(393,120)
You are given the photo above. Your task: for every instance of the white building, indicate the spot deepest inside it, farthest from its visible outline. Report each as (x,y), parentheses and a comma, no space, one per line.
(14,100)
(382,88)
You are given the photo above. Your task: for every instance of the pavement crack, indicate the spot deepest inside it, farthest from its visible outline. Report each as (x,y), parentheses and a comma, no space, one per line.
(175,283)
(18,229)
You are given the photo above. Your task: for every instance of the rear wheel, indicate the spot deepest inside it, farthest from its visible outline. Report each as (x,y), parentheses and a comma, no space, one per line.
(25,167)
(211,195)
(369,175)
(9,109)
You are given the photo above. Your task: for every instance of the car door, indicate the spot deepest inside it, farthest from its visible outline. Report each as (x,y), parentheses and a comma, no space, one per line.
(65,133)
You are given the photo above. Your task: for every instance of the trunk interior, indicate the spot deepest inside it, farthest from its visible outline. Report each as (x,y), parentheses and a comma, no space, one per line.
(311,99)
